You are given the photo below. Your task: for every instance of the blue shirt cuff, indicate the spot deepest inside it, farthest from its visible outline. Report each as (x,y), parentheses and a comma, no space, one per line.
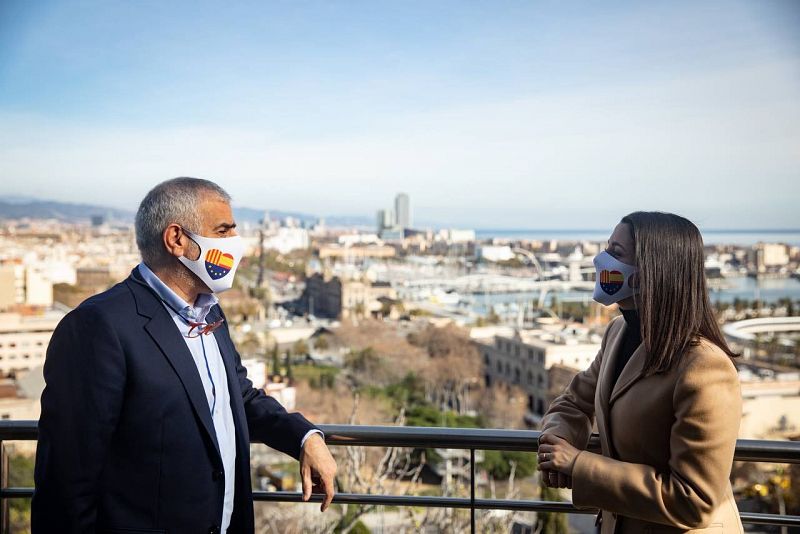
(309,434)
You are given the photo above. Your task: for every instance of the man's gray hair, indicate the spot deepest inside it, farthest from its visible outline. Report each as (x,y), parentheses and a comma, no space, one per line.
(172,201)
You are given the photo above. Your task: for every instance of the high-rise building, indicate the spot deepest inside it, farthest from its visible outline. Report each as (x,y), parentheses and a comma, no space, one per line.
(402,208)
(385,219)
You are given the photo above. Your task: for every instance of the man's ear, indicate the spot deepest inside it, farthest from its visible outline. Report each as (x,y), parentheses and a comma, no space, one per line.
(178,243)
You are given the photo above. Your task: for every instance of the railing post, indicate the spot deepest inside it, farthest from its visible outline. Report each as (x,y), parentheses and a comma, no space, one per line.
(472,490)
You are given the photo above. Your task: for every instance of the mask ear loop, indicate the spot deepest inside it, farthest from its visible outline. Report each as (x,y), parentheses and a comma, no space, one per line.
(189,237)
(634,284)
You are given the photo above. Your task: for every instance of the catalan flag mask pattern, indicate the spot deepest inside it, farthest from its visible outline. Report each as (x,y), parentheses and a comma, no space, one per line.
(219,257)
(613,280)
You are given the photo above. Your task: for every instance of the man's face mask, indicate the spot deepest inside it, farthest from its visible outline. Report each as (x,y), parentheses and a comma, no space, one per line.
(614,279)
(219,257)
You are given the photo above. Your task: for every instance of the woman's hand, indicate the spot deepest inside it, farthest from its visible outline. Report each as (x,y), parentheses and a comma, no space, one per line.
(554,479)
(556,458)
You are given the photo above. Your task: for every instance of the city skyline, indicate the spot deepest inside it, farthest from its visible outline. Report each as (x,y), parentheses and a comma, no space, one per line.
(356,221)
(489,115)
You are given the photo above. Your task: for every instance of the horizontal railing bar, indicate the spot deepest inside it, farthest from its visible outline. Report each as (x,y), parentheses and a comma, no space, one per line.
(427,502)
(16,493)
(747,450)
(759,450)
(431,437)
(445,502)
(770,519)
(22,430)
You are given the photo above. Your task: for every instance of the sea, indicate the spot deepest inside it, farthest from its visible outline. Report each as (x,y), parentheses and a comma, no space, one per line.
(710,237)
(729,289)
(744,288)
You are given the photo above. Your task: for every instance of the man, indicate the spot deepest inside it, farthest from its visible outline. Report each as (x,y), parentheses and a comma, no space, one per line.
(147,413)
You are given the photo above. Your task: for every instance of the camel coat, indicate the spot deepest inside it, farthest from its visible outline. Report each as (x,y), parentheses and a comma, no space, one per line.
(667,440)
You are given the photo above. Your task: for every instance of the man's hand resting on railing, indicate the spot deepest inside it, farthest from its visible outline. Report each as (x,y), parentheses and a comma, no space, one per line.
(556,458)
(317,469)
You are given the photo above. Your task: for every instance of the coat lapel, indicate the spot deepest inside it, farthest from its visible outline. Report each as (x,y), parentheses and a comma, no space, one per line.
(610,362)
(162,330)
(606,383)
(632,372)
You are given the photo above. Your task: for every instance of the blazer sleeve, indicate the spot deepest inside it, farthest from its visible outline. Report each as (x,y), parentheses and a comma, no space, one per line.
(708,407)
(571,415)
(268,421)
(85,375)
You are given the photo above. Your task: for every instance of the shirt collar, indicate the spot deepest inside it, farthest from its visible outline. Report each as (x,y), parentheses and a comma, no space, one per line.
(196,312)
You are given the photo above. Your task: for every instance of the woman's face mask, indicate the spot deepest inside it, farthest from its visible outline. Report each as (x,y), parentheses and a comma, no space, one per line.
(219,257)
(614,279)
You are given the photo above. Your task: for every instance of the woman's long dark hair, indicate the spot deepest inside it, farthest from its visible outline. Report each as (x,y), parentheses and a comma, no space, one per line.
(674,308)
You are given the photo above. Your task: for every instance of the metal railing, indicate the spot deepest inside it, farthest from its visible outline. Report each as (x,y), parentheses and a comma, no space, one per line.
(441,438)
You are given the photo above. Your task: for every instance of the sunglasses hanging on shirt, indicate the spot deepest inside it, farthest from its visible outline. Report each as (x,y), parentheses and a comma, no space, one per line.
(202,328)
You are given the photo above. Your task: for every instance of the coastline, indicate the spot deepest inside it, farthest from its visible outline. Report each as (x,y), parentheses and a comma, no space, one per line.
(741,237)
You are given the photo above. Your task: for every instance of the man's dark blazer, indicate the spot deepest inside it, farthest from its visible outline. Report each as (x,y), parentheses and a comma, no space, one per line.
(126,440)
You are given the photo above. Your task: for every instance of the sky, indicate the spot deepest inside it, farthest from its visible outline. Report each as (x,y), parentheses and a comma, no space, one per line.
(489,114)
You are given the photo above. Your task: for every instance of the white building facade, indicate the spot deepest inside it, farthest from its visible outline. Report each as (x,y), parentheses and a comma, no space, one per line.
(523,360)
(24,340)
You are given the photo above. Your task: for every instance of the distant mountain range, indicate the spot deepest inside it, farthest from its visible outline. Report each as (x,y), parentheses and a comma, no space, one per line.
(22,207)
(17,207)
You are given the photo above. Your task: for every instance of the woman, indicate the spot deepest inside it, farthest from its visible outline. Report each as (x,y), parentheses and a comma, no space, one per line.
(663,389)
